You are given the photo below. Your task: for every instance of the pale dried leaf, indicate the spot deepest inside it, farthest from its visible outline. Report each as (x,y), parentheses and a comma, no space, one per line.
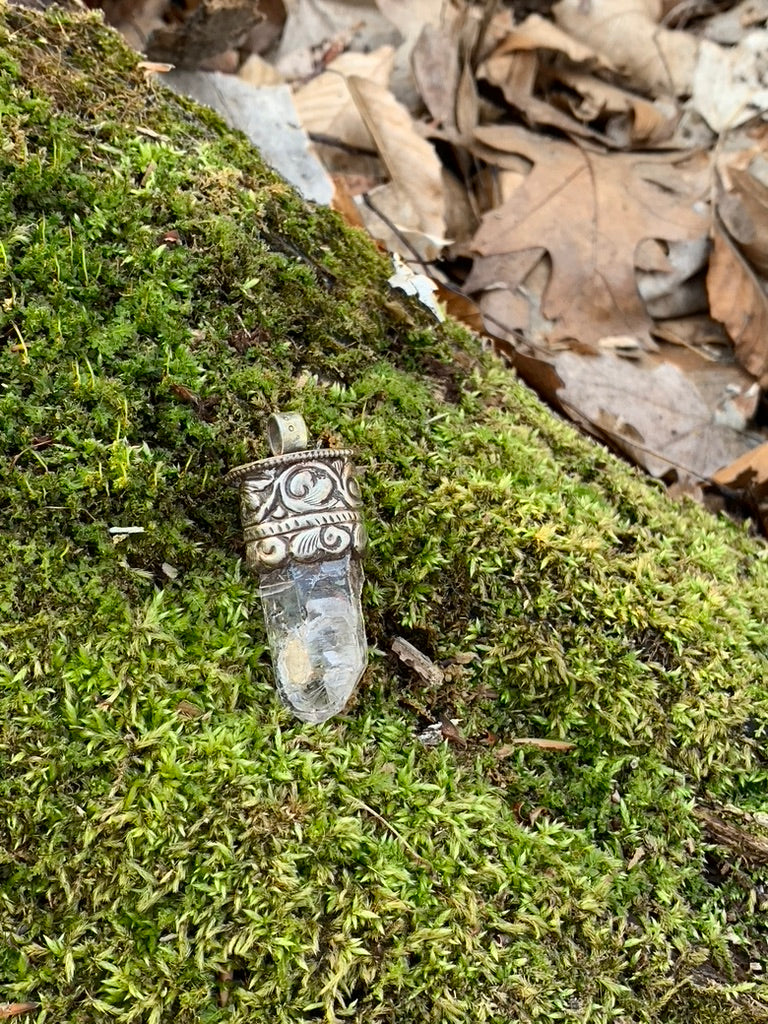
(325,105)
(626,34)
(316,29)
(636,857)
(737,299)
(590,210)
(258,72)
(492,186)
(154,67)
(622,344)
(730,85)
(537,33)
(513,73)
(467,103)
(435,65)
(8,1010)
(508,749)
(410,16)
(411,161)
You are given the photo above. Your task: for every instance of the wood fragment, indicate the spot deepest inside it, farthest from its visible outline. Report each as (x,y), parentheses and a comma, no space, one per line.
(745,844)
(187,709)
(420,663)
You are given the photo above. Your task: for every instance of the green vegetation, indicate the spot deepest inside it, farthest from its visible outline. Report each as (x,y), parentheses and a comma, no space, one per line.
(173,846)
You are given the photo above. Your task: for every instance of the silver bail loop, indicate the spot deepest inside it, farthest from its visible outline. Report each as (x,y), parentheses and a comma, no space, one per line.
(287,432)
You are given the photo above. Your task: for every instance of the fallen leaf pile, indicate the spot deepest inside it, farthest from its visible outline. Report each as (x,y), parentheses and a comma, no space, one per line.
(588,188)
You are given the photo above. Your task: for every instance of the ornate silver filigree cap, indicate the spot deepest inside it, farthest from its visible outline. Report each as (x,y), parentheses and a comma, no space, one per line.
(305,537)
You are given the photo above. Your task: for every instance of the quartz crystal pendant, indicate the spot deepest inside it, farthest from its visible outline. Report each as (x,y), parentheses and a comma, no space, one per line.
(304,535)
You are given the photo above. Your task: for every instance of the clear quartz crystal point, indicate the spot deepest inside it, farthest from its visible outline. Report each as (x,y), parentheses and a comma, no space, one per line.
(304,535)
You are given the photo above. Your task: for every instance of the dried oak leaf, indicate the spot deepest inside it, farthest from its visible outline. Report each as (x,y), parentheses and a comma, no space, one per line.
(738,300)
(590,211)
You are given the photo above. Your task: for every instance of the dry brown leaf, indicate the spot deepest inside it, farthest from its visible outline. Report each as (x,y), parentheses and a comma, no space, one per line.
(647,125)
(728,27)
(531,741)
(515,74)
(744,211)
(652,411)
(435,65)
(8,1010)
(636,857)
(187,709)
(737,299)
(460,307)
(514,312)
(467,102)
(385,213)
(415,195)
(692,332)
(325,105)
(627,35)
(461,217)
(590,210)
(537,33)
(451,732)
(748,473)
(343,201)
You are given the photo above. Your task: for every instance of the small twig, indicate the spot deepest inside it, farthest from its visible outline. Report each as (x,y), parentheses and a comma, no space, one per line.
(393,831)
(396,231)
(331,140)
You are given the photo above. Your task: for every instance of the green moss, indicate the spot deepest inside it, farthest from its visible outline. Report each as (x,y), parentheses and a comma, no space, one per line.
(161,863)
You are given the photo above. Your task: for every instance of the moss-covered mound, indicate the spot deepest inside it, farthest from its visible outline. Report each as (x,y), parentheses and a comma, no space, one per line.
(173,845)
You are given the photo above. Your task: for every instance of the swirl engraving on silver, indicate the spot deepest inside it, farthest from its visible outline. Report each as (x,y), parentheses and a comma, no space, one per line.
(303,506)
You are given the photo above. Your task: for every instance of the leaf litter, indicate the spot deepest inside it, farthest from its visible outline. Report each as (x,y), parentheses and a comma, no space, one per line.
(586,186)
